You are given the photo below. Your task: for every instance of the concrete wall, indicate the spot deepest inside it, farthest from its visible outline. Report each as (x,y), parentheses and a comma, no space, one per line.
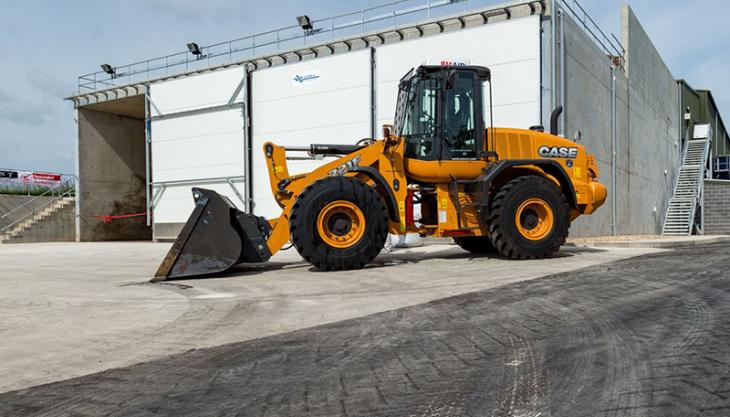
(111,171)
(588,109)
(11,202)
(717,207)
(653,128)
(645,120)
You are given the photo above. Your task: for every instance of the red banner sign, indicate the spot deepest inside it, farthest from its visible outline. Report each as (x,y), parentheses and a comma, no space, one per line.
(30,178)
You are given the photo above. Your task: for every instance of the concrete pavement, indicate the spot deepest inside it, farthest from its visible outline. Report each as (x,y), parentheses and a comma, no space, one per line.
(70,309)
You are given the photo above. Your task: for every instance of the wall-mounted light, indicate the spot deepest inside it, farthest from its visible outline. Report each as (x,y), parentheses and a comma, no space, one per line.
(305,23)
(195,50)
(108,69)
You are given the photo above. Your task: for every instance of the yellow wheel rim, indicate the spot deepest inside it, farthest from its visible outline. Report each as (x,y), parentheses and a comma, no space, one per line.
(534,219)
(341,224)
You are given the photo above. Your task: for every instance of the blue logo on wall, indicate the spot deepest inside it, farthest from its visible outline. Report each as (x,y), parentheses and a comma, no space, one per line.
(301,79)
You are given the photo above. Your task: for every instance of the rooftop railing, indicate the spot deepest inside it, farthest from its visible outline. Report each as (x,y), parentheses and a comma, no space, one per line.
(611,46)
(392,14)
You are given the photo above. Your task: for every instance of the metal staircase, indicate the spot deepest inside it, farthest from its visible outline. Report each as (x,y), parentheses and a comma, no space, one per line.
(687,196)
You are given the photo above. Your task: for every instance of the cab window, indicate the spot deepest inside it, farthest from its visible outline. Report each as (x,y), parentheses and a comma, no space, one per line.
(420,122)
(459,119)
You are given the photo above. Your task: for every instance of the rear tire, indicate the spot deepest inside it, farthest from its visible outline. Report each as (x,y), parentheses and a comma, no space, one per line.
(339,223)
(475,244)
(528,218)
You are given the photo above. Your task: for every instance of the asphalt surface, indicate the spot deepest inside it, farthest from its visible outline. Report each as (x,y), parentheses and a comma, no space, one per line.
(647,336)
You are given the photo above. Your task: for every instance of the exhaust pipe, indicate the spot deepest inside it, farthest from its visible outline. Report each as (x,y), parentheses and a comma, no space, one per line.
(554,120)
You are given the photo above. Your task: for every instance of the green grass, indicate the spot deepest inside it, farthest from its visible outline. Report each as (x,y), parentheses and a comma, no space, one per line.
(32,190)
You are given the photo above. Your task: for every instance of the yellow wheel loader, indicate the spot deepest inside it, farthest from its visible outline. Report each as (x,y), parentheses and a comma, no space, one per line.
(510,191)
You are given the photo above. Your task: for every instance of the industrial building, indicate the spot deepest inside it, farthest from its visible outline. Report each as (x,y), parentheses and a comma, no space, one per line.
(148,132)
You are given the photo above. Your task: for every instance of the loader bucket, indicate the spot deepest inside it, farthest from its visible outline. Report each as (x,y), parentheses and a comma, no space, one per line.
(216,237)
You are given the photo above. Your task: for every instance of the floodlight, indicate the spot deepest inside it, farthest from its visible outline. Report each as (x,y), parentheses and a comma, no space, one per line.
(305,22)
(108,69)
(194,49)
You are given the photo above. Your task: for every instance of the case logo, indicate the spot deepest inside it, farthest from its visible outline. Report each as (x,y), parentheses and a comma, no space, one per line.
(557,152)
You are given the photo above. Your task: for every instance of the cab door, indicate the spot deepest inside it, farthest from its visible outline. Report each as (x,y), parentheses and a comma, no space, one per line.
(421,119)
(462,127)
(443,127)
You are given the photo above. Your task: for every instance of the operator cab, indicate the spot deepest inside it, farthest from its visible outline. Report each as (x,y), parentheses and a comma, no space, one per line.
(439,112)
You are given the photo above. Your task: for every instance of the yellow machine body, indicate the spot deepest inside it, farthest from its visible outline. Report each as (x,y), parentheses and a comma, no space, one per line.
(385,156)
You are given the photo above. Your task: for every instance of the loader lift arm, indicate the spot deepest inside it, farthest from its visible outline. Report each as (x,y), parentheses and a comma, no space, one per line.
(217,236)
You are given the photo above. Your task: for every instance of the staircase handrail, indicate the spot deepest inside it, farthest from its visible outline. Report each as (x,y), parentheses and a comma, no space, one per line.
(68,193)
(670,198)
(697,193)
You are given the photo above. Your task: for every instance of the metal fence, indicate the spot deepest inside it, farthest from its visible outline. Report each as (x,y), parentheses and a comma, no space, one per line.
(271,42)
(611,46)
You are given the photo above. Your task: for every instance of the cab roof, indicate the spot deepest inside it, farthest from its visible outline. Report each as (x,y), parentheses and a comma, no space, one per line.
(482,72)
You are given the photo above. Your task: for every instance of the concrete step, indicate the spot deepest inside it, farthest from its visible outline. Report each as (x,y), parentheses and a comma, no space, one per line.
(26,227)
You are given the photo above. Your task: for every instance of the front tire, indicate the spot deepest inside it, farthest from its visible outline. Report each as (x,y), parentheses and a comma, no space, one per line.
(528,218)
(339,223)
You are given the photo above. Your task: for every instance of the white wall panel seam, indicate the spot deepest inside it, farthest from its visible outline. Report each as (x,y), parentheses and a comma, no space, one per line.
(319,93)
(182,138)
(317,127)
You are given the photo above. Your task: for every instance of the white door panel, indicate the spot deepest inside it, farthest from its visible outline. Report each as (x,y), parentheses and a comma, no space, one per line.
(197,92)
(195,138)
(177,202)
(199,146)
(330,105)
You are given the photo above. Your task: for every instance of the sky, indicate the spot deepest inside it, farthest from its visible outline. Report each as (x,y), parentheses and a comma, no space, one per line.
(47,44)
